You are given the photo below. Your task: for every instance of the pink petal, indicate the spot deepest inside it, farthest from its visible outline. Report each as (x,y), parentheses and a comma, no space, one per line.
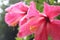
(25,28)
(18,7)
(41,33)
(55,30)
(51,10)
(32,11)
(23,20)
(13,18)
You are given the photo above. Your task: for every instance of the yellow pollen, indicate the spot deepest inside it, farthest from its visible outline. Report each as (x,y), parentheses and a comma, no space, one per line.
(33,28)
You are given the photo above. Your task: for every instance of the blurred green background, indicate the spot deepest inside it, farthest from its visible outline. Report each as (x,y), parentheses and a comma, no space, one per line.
(9,33)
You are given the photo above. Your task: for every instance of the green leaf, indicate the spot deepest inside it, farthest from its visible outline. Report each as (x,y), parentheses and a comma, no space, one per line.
(27,1)
(30,37)
(51,1)
(19,38)
(49,38)
(39,5)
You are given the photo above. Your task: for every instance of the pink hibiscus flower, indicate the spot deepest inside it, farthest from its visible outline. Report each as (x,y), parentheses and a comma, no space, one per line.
(15,13)
(42,25)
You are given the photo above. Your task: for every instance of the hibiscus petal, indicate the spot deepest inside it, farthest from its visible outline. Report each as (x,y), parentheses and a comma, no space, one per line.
(23,20)
(41,33)
(51,10)
(32,11)
(12,18)
(55,30)
(18,7)
(29,27)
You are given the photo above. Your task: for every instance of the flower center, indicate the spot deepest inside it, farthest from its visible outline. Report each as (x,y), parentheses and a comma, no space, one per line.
(13,24)
(33,28)
(47,19)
